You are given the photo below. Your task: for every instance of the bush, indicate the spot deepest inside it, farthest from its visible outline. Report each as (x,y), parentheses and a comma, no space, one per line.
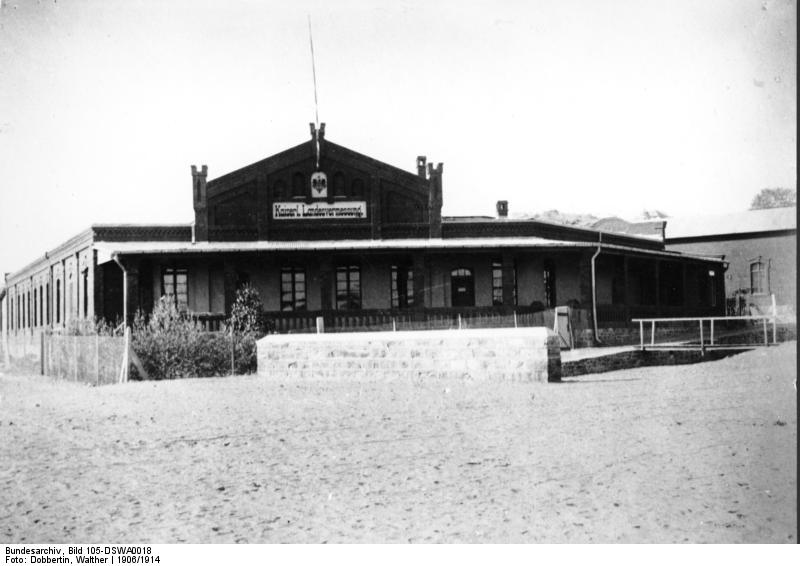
(171,345)
(247,313)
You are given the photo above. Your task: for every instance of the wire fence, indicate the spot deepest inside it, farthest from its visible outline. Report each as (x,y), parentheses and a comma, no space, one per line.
(93,359)
(89,359)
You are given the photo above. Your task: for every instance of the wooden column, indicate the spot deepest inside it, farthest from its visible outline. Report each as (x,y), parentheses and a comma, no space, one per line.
(132,285)
(508,262)
(419,268)
(326,285)
(658,286)
(626,288)
(229,285)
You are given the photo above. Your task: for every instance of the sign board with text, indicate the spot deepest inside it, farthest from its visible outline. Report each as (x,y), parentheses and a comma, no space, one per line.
(351,210)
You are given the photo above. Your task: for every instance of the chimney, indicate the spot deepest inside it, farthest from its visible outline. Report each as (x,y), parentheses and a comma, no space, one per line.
(435,200)
(200,202)
(421,166)
(502,209)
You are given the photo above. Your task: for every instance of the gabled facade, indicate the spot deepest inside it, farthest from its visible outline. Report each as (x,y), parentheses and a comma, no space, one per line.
(323,231)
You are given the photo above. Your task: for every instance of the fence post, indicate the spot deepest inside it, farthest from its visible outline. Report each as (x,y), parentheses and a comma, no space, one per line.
(320,325)
(97,359)
(712,331)
(515,319)
(641,335)
(459,321)
(774,320)
(653,332)
(41,353)
(123,372)
(701,334)
(394,325)
(7,354)
(766,338)
(233,356)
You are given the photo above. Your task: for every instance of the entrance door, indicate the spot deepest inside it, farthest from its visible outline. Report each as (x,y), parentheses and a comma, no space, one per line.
(462,287)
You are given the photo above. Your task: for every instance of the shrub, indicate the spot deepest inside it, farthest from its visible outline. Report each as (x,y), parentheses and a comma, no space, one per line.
(171,345)
(247,313)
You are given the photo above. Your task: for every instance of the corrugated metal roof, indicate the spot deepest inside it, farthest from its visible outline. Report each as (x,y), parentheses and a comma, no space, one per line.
(749,221)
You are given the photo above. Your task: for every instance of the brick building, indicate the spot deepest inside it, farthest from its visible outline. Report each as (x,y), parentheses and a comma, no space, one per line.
(760,247)
(321,230)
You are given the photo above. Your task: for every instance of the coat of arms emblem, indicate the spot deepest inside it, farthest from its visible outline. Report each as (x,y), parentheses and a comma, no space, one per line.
(319,185)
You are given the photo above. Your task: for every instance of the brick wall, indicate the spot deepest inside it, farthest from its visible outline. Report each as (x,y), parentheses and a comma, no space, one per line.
(508,354)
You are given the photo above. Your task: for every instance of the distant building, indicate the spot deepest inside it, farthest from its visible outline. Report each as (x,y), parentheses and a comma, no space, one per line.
(323,231)
(760,247)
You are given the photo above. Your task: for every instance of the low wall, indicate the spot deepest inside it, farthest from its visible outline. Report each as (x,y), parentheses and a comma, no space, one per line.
(501,354)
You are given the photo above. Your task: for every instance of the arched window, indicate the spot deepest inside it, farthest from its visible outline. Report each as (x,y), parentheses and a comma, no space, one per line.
(462,287)
(298,185)
(357,188)
(339,185)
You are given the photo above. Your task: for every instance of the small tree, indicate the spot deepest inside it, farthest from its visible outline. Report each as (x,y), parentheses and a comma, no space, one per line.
(774,198)
(247,313)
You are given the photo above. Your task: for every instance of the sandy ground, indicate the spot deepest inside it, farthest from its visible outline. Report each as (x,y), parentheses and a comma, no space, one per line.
(702,453)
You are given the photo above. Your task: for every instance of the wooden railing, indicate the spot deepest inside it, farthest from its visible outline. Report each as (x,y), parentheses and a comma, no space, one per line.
(684,335)
(399,319)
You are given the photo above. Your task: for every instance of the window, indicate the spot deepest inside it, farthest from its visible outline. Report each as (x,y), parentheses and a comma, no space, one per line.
(41,305)
(549,284)
(497,283)
(462,287)
(58,301)
(293,289)
(85,293)
(339,185)
(175,285)
(758,278)
(402,287)
(298,185)
(348,287)
(35,304)
(47,287)
(357,189)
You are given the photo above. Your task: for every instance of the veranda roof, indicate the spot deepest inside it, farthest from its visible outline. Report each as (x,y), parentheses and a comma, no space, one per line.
(107,249)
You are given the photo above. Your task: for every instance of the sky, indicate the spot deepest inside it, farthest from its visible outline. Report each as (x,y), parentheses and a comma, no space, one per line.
(606,107)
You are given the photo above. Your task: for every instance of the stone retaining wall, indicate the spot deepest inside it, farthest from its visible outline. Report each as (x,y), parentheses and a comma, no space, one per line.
(637,358)
(507,354)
